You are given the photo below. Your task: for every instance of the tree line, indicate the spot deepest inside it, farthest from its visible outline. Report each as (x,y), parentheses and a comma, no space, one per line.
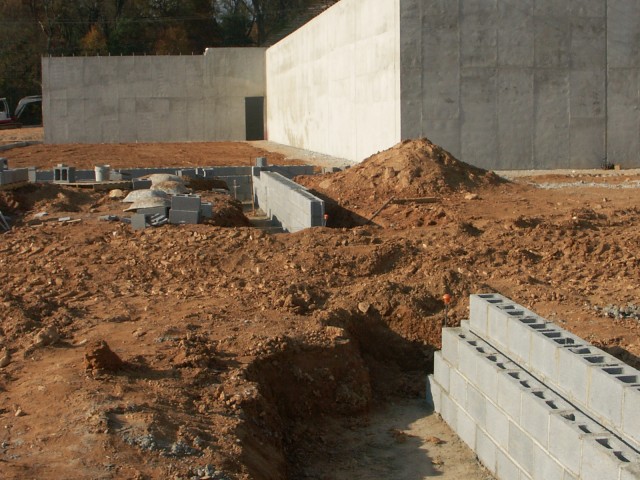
(30,29)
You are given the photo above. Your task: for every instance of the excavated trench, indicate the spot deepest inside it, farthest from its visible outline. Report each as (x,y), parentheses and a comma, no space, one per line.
(301,385)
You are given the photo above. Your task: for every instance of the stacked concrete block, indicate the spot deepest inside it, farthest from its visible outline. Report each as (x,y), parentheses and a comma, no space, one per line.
(206,210)
(519,427)
(14,175)
(64,174)
(239,186)
(4,164)
(588,377)
(185,209)
(286,202)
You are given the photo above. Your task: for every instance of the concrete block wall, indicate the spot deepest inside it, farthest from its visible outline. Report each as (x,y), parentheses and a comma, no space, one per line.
(284,201)
(14,175)
(522,424)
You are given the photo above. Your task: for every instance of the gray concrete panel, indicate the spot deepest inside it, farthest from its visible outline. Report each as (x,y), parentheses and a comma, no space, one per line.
(515,119)
(515,33)
(479,122)
(623,33)
(478,33)
(551,132)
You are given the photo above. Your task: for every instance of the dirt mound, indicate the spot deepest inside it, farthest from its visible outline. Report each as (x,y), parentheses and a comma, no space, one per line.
(413,168)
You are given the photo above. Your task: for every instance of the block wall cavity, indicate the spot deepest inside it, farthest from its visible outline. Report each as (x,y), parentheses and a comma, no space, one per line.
(287,203)
(534,401)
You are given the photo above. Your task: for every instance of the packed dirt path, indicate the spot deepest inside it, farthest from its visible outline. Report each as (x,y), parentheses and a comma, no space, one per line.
(224,352)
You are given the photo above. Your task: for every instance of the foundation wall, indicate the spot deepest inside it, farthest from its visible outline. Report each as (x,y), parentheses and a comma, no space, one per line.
(333,86)
(151,98)
(288,204)
(504,382)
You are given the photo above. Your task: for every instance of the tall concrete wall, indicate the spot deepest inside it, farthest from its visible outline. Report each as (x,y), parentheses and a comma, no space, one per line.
(515,83)
(334,86)
(149,98)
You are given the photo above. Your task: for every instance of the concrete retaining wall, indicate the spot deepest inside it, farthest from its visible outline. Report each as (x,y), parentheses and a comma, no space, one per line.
(149,98)
(333,86)
(504,382)
(287,203)
(502,84)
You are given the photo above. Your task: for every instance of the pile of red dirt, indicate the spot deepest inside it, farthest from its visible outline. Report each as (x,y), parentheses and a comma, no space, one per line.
(413,168)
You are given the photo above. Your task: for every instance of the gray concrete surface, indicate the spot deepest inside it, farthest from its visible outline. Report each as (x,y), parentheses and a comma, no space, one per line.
(333,86)
(519,427)
(502,84)
(285,202)
(150,98)
(587,376)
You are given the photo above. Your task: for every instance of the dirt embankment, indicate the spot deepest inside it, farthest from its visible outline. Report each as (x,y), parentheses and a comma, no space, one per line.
(246,355)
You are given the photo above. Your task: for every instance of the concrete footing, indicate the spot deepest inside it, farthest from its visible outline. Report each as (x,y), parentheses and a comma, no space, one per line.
(534,401)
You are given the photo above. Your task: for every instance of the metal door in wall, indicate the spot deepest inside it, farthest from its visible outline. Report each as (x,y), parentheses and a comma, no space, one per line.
(254,117)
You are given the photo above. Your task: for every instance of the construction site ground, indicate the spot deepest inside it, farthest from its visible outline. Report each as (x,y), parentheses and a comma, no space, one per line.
(222,351)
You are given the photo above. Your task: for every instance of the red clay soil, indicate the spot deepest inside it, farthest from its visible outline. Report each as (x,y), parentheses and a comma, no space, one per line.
(244,350)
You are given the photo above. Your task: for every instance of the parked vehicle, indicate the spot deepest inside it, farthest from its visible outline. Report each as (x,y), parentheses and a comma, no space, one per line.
(28,112)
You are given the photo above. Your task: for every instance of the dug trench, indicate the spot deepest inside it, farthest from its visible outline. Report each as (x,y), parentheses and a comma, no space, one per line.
(244,355)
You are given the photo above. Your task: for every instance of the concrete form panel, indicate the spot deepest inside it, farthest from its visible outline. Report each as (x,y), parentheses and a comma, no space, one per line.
(552,135)
(479,123)
(478,33)
(623,33)
(515,33)
(312,84)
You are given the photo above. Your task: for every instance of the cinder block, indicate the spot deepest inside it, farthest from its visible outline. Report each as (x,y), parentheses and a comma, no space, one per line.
(154,211)
(487,375)
(486,450)
(574,374)
(567,430)
(497,424)
(538,407)
(631,413)
(510,393)
(476,405)
(4,163)
(545,353)
(479,311)
(544,466)
(441,370)
(450,339)
(466,428)
(186,203)
(206,210)
(434,394)
(519,337)
(604,457)
(64,174)
(457,387)
(505,468)
(449,411)
(261,162)
(630,471)
(180,217)
(139,221)
(521,448)
(606,388)
(499,316)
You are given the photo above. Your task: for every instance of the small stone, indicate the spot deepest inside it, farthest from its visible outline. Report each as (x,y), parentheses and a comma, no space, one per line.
(116,193)
(46,336)
(364,307)
(20,412)
(5,358)
(471,196)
